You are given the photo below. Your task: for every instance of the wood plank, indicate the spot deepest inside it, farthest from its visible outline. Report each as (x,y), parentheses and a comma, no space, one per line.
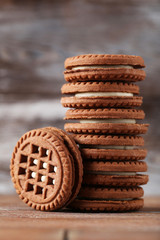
(16,217)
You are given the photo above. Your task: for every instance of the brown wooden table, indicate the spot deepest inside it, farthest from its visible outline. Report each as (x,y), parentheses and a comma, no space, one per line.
(18,221)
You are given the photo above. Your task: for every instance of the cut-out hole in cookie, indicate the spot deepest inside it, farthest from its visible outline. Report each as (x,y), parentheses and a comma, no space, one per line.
(33,162)
(51,181)
(21,171)
(39,190)
(52,168)
(45,152)
(35,149)
(23,158)
(30,187)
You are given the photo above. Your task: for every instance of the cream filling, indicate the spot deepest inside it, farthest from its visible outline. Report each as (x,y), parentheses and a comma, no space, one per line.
(103,94)
(108,147)
(109,120)
(102,66)
(113,173)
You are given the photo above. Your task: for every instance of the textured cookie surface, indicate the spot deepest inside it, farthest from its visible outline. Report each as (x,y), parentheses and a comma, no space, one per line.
(104,59)
(107,206)
(106,128)
(85,139)
(113,179)
(75,153)
(79,87)
(97,102)
(110,193)
(110,74)
(42,169)
(110,166)
(114,154)
(104,113)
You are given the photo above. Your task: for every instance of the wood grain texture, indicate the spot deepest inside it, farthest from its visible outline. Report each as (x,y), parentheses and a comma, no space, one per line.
(17,220)
(35,39)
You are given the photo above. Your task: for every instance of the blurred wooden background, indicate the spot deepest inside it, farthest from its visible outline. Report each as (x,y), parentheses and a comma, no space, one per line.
(35,39)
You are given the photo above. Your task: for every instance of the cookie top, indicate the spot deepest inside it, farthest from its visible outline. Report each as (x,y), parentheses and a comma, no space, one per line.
(106,206)
(108,140)
(110,193)
(105,113)
(104,73)
(43,169)
(117,179)
(79,87)
(112,166)
(106,128)
(118,153)
(104,59)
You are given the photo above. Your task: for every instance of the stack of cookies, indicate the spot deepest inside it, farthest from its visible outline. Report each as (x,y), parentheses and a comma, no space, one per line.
(106,127)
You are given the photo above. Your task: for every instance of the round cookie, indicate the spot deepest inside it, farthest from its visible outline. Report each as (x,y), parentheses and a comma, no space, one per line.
(100,94)
(106,206)
(109,193)
(43,169)
(103,74)
(80,87)
(123,166)
(116,179)
(104,59)
(106,67)
(113,154)
(104,114)
(106,128)
(107,140)
(75,153)
(97,102)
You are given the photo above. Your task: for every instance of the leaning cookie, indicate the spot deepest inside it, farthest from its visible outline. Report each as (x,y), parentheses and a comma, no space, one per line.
(104,68)
(43,170)
(100,94)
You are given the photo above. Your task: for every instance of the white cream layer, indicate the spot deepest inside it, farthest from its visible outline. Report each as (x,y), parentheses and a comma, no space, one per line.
(113,173)
(103,94)
(109,120)
(108,147)
(102,66)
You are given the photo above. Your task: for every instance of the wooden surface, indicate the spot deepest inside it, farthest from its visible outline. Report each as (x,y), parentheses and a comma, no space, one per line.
(18,221)
(35,39)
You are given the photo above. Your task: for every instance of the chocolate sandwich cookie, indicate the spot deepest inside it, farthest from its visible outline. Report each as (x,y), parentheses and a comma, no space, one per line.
(44,166)
(116,179)
(110,147)
(106,67)
(107,140)
(105,121)
(111,166)
(107,206)
(108,199)
(114,173)
(83,87)
(106,128)
(101,94)
(106,193)
(120,153)
(105,113)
